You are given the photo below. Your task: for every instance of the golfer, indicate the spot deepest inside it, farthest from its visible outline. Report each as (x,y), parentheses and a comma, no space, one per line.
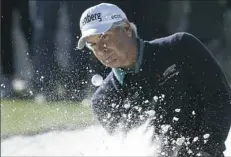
(173,81)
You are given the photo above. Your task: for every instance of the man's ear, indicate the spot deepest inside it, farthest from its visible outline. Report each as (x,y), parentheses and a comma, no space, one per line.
(128,29)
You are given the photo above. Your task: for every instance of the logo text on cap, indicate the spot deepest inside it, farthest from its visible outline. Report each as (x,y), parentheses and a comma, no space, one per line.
(92,17)
(116,16)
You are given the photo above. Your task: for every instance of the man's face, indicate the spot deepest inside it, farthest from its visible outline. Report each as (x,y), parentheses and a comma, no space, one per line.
(113,47)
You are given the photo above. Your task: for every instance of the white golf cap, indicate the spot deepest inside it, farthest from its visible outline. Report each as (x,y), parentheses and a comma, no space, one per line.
(98,19)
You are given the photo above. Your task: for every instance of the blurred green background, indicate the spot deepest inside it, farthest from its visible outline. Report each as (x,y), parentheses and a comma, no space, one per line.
(26,117)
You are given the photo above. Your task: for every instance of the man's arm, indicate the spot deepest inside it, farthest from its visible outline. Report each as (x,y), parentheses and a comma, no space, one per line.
(214,92)
(106,103)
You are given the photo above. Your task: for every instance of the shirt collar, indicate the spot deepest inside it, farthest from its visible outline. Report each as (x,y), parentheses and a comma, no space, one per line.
(120,72)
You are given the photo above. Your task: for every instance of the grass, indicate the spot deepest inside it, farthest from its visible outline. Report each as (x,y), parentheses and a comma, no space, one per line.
(26,116)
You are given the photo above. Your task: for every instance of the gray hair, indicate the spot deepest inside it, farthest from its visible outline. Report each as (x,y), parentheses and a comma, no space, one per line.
(122,23)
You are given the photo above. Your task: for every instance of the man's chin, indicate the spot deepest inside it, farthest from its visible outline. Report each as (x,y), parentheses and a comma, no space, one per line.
(112,64)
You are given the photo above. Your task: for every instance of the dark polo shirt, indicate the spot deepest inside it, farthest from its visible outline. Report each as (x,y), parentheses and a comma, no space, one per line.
(179,84)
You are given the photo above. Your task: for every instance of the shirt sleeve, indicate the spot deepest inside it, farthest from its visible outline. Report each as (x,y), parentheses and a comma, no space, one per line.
(106,103)
(214,95)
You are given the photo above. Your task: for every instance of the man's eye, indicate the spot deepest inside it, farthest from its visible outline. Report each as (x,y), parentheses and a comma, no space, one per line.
(104,37)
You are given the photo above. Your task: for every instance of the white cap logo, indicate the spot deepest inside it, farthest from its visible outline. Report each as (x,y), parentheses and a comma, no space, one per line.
(90,18)
(99,19)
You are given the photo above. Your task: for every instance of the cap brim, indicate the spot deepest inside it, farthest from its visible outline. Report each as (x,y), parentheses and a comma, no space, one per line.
(92,31)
